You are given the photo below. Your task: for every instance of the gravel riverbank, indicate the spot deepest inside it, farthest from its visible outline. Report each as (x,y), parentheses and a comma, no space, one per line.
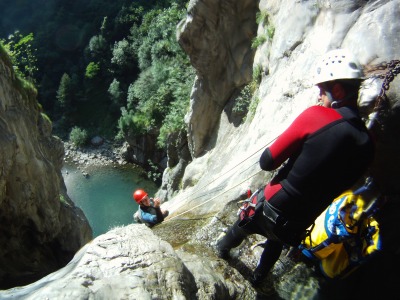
(105,154)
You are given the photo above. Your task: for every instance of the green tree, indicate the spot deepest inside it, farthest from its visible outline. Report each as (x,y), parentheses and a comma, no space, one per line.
(22,53)
(116,94)
(98,46)
(64,95)
(92,70)
(63,106)
(123,58)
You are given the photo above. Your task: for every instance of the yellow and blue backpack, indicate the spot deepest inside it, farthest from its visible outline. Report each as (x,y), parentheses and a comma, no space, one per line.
(346,234)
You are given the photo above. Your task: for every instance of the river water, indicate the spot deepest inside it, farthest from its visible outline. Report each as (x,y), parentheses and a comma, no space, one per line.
(105,196)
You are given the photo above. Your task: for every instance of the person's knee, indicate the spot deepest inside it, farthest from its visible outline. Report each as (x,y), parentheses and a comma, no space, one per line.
(233,238)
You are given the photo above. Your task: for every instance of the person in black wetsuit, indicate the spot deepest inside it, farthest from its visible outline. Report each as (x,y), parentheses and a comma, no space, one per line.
(324,152)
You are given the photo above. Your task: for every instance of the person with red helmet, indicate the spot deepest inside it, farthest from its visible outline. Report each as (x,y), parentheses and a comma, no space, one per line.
(149,211)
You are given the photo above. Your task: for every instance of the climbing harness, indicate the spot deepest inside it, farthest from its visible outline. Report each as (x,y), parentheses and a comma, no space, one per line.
(247,206)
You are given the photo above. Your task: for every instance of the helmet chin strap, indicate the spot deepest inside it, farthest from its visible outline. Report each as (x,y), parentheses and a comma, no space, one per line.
(336,103)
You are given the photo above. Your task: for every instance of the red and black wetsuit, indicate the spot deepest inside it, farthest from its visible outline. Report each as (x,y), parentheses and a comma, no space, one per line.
(327,151)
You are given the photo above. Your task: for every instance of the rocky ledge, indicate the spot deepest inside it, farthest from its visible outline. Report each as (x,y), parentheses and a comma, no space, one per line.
(133,262)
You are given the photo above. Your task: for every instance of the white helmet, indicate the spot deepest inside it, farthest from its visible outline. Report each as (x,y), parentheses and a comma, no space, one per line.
(338,64)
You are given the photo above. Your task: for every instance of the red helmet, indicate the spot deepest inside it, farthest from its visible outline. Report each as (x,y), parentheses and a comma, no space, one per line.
(138,195)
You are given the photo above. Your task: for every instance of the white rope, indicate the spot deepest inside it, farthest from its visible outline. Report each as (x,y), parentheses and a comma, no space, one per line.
(211,198)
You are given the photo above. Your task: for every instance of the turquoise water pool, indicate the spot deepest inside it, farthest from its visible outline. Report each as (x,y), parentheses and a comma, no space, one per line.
(105,196)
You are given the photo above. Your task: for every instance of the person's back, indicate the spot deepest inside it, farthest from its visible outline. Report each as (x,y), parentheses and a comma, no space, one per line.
(336,152)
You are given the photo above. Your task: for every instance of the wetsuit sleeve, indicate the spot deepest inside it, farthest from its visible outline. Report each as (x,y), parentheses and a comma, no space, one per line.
(289,143)
(149,218)
(285,145)
(266,161)
(160,216)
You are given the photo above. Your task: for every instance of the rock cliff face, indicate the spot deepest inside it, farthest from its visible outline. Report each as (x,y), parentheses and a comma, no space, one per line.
(202,190)
(40,229)
(225,154)
(217,37)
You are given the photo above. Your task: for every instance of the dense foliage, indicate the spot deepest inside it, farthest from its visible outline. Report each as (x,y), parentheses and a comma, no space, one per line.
(111,68)
(22,53)
(159,98)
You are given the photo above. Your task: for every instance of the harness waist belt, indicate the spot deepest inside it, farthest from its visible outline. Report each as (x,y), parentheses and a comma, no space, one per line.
(273,215)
